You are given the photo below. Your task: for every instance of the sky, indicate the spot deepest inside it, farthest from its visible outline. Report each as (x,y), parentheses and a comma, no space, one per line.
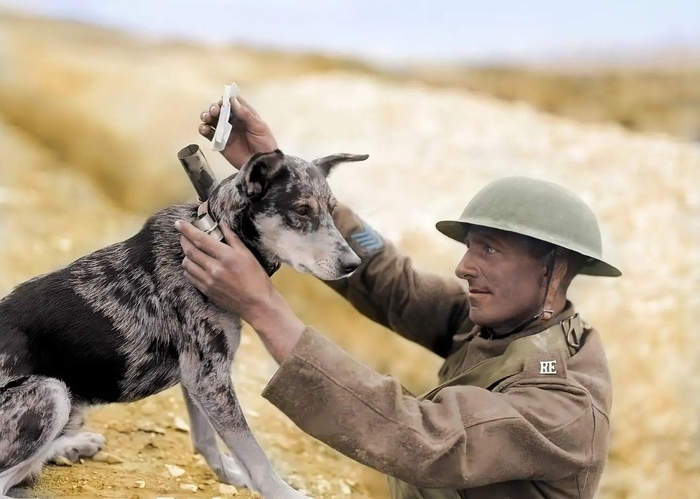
(394,30)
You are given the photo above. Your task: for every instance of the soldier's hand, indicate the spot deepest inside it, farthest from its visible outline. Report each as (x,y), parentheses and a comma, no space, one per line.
(249,133)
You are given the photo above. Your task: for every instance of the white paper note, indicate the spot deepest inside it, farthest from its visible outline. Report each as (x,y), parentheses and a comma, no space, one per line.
(223,127)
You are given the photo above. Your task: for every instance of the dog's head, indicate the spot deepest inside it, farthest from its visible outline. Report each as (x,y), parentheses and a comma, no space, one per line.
(281,207)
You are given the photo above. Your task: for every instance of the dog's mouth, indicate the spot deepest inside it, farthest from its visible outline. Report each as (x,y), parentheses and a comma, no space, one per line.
(305,269)
(299,267)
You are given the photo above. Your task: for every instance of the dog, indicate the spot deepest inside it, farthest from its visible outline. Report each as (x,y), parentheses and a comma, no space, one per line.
(123,323)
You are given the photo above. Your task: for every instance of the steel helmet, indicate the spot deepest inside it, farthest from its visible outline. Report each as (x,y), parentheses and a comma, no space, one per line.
(539,209)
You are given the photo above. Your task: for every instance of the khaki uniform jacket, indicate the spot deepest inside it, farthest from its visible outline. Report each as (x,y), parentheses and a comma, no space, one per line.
(531,436)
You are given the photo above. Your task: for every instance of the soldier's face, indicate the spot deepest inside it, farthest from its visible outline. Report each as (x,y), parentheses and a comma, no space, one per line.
(506,280)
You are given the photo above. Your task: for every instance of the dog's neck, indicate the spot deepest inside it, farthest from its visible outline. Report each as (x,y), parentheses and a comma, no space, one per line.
(226,199)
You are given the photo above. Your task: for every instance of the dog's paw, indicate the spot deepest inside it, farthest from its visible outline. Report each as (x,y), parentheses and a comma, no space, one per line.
(230,473)
(20,493)
(75,447)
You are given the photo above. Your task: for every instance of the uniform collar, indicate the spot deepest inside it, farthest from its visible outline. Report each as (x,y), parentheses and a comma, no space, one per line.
(531,329)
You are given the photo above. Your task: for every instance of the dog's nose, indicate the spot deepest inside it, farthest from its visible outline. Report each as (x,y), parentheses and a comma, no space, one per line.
(349,265)
(349,268)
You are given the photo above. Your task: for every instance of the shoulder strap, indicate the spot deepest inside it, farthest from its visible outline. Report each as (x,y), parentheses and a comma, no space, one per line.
(564,336)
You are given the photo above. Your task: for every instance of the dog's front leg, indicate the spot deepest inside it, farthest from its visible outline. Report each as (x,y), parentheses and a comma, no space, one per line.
(204,441)
(208,384)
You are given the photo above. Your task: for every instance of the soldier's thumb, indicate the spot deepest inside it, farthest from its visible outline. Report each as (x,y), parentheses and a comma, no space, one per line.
(241,111)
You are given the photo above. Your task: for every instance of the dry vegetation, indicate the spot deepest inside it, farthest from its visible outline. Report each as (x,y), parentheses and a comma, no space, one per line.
(90,122)
(641,99)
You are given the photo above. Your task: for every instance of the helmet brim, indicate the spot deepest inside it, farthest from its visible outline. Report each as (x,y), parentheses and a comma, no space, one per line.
(457,230)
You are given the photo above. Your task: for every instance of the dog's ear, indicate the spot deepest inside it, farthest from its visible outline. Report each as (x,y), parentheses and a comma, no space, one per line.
(258,172)
(327,163)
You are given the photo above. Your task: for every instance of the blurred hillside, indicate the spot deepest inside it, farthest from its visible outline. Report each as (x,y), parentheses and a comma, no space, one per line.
(660,95)
(649,99)
(90,124)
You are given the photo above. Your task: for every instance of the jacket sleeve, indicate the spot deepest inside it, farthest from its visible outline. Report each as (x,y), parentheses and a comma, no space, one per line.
(422,307)
(465,437)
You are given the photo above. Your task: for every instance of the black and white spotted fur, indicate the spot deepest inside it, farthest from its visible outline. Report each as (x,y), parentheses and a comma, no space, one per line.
(122,323)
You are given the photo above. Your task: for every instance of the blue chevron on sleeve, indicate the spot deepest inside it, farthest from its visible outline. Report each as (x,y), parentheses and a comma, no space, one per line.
(368,239)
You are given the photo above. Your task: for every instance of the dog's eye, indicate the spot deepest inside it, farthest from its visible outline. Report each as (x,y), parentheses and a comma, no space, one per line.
(303,210)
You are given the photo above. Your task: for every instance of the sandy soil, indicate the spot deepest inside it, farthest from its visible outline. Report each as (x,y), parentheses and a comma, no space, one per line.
(144,436)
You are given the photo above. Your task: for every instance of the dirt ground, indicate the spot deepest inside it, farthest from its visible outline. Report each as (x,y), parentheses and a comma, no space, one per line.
(145,437)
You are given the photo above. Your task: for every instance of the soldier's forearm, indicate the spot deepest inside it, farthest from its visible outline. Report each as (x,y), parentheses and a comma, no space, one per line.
(422,307)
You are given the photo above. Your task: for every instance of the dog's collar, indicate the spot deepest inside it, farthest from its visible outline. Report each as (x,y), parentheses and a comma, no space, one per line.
(206,222)
(203,209)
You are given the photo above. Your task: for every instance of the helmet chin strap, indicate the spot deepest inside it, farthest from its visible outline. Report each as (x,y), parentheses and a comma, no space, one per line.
(556,270)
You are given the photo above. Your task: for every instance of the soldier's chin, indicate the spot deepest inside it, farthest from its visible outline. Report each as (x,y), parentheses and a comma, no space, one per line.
(482,317)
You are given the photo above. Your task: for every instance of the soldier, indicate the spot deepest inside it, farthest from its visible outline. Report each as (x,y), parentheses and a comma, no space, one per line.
(523,407)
